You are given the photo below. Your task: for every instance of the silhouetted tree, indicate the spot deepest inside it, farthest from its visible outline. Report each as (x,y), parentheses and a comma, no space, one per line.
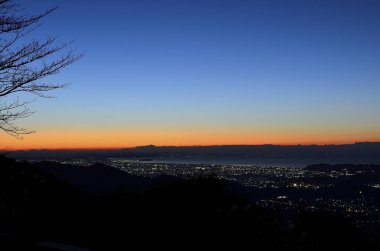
(24,62)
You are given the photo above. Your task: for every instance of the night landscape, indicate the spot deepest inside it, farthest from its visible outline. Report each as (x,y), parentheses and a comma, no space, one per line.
(182,124)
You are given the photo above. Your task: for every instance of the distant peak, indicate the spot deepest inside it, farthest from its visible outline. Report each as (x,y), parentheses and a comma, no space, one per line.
(147,146)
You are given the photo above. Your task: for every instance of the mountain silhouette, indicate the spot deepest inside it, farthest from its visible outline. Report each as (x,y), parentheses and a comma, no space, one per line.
(365,151)
(96,179)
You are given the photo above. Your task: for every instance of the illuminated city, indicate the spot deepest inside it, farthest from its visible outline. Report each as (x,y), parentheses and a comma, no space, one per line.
(280,188)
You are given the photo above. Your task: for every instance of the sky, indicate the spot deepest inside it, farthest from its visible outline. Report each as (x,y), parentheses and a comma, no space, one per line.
(204,72)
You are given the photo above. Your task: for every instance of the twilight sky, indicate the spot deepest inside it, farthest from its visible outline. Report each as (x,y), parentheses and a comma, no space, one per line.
(201,72)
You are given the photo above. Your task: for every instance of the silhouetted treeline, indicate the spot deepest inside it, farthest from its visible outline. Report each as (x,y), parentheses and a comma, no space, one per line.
(50,202)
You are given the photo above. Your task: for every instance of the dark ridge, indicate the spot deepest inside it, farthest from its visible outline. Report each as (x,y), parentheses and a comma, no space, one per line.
(357,149)
(367,151)
(94,179)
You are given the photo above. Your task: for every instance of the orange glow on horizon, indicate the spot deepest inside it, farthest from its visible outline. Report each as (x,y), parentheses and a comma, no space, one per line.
(120,139)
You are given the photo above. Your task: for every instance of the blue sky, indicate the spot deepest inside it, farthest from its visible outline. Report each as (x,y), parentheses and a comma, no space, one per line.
(253,67)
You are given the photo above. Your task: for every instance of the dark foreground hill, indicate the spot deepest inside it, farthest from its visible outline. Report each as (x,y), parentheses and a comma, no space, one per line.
(94,179)
(59,204)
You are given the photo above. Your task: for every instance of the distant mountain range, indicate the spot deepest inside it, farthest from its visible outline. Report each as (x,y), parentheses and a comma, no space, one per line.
(366,150)
(357,149)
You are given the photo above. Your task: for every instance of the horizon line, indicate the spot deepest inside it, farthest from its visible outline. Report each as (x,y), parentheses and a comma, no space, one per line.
(200,145)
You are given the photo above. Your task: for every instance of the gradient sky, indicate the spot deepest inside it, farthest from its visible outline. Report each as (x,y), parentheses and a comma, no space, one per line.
(201,72)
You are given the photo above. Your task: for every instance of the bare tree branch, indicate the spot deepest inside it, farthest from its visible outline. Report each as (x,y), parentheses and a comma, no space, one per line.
(23,64)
